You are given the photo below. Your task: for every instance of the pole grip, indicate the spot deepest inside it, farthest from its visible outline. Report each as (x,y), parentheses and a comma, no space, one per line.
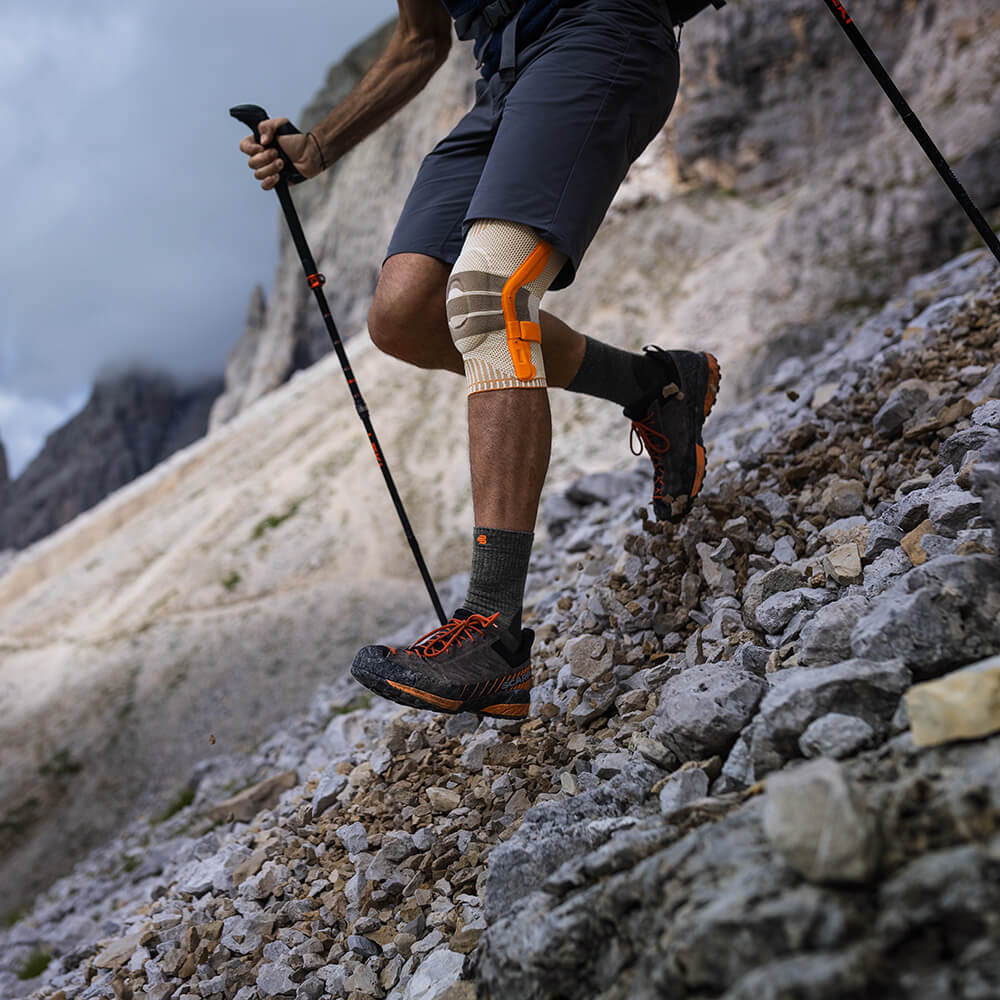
(251,115)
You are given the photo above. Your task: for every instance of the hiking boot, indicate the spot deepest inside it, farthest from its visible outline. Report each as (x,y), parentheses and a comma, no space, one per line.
(668,422)
(462,666)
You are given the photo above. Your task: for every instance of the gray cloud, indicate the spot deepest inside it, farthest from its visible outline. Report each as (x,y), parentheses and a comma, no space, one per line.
(133,231)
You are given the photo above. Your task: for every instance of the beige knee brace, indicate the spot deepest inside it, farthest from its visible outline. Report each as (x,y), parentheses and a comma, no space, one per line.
(494,295)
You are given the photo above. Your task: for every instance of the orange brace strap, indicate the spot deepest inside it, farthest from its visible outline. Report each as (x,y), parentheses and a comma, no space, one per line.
(520,332)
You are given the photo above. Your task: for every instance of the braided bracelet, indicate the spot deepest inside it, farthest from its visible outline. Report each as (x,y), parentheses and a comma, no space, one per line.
(319,149)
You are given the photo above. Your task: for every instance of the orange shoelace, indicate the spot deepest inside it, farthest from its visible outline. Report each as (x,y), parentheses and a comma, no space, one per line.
(442,638)
(656,444)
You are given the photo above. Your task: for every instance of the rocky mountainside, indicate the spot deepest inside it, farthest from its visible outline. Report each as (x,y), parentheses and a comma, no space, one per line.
(783,196)
(757,762)
(131,423)
(172,626)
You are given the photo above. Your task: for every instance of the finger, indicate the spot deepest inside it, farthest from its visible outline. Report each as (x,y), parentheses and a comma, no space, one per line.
(272,169)
(267,129)
(262,158)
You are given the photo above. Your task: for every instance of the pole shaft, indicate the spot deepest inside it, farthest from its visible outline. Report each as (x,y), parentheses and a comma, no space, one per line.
(844,19)
(316,284)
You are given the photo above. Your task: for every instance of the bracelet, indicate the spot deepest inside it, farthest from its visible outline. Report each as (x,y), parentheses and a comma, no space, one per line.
(319,149)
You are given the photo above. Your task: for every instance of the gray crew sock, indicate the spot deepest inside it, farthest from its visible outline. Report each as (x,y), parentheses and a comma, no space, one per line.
(499,569)
(616,375)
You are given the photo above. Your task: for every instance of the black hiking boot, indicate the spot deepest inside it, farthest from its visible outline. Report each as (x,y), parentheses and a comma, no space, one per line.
(668,423)
(462,666)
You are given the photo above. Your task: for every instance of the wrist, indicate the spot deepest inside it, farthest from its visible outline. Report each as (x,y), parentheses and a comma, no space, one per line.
(316,152)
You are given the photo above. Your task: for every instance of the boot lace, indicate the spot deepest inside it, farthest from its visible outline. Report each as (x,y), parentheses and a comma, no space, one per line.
(657,444)
(452,633)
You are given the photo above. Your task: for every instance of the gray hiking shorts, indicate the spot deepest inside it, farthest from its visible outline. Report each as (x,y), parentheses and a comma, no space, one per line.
(549,147)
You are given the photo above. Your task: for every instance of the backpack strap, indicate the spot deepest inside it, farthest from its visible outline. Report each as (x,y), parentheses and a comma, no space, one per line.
(487,19)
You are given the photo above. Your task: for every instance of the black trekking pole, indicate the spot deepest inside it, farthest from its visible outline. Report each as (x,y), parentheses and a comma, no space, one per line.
(251,115)
(845,20)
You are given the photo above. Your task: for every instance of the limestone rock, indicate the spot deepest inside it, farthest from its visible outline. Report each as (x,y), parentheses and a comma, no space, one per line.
(959,706)
(820,823)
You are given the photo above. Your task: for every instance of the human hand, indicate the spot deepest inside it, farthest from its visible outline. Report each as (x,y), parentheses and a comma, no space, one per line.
(268,158)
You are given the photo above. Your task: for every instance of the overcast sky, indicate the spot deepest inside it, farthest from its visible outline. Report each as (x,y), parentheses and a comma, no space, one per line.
(132,229)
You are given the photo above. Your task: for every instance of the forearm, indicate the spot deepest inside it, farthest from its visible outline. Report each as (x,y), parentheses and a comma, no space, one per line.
(397,76)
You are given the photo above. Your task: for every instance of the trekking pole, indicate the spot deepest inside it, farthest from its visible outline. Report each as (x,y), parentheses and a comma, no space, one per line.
(251,115)
(845,20)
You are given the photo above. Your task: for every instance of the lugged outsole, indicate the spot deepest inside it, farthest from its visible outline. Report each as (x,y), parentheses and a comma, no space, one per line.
(513,708)
(711,394)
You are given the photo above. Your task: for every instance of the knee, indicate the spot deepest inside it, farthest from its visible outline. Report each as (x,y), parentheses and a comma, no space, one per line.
(390,321)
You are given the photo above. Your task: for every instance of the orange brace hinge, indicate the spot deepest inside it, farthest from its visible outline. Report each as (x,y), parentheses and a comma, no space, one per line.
(521,333)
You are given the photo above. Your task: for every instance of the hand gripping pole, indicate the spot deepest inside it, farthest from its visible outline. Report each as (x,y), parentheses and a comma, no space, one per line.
(251,115)
(911,121)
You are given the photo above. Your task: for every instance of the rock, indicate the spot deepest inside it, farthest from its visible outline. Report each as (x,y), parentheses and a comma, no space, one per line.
(437,974)
(116,953)
(799,695)
(881,538)
(589,657)
(274,980)
(963,705)
(478,747)
(776,612)
(836,735)
(765,584)
(265,882)
(912,543)
(443,800)
(264,795)
(703,709)
(842,498)
(901,406)
(354,837)
(843,564)
(596,487)
(683,788)
(986,485)
(331,784)
(951,511)
(719,577)
(953,449)
(826,637)
(938,616)
(820,824)
(554,832)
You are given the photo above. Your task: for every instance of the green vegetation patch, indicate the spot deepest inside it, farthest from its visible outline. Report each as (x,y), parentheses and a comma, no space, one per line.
(184,798)
(274,520)
(35,965)
(232,580)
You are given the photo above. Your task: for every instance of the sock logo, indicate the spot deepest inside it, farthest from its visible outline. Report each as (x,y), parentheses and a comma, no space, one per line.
(481,539)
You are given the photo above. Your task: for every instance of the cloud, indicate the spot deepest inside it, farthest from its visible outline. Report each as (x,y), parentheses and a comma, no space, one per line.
(133,231)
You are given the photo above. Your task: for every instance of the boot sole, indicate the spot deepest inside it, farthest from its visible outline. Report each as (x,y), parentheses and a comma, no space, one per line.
(494,699)
(713,381)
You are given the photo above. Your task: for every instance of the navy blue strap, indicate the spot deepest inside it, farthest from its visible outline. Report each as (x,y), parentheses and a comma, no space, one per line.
(508,48)
(487,20)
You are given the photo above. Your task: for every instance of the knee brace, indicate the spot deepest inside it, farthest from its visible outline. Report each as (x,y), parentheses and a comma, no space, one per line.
(494,295)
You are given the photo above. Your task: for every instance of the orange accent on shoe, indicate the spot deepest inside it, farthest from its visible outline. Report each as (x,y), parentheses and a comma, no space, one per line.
(518,332)
(714,379)
(507,711)
(699,475)
(449,704)
(526,686)
(440,639)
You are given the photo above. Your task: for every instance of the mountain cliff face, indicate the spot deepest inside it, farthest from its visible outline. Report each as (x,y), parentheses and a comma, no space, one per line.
(130,424)
(783,196)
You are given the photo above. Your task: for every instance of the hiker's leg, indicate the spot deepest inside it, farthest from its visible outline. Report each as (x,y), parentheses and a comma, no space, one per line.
(408,320)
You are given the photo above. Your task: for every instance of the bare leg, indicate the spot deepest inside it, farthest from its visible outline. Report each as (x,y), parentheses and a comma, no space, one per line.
(510,435)
(408,320)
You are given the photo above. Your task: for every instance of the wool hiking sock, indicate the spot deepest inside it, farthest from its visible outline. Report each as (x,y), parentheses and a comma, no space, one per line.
(499,570)
(616,375)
